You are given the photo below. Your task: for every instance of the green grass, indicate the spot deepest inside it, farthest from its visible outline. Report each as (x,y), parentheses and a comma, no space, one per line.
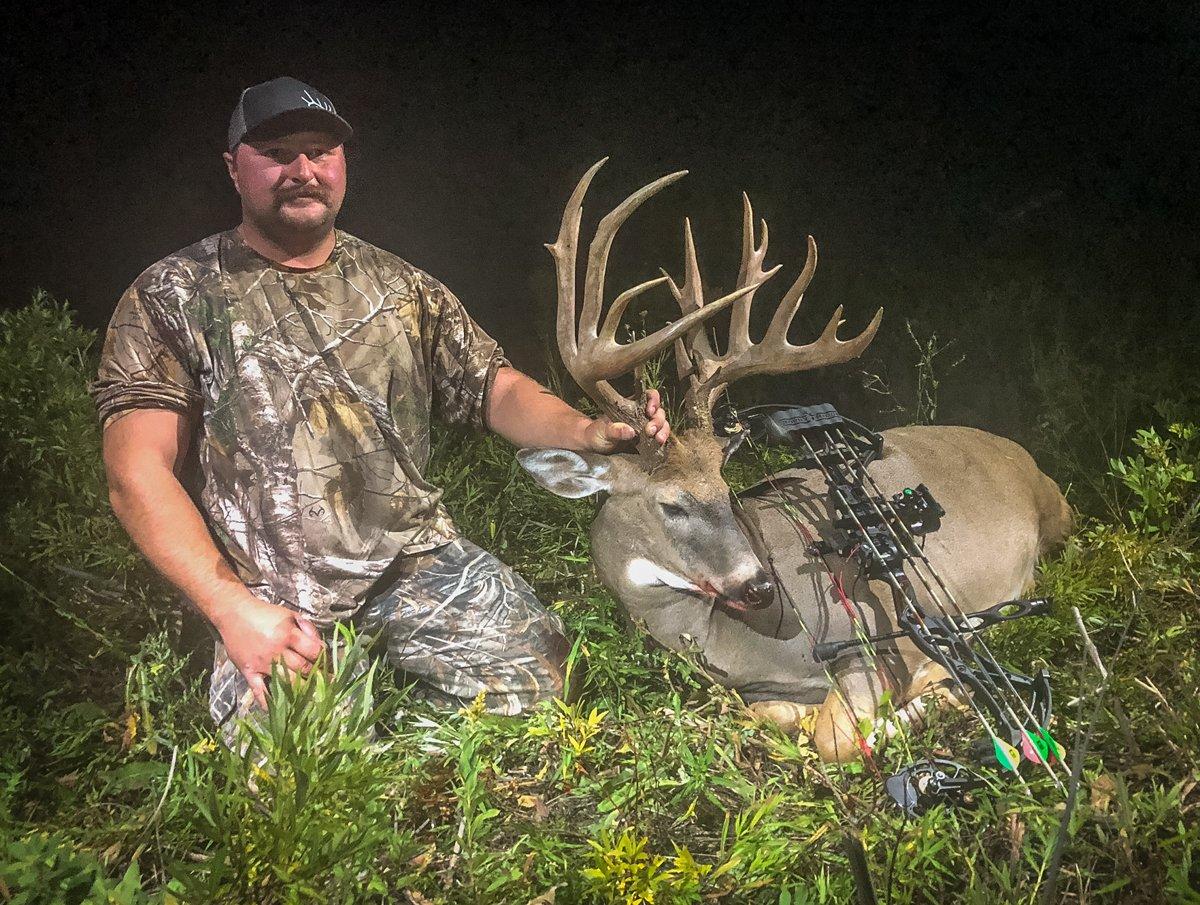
(651,785)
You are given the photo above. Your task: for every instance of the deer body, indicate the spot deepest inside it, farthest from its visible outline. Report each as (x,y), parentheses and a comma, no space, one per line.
(1002,513)
(699,576)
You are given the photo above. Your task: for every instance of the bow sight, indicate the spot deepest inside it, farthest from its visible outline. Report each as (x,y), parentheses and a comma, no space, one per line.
(884,535)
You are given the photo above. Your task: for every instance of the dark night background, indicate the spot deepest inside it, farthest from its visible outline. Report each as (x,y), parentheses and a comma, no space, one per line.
(1023,183)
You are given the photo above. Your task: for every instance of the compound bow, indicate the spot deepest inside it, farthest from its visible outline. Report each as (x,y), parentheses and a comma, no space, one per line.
(881,534)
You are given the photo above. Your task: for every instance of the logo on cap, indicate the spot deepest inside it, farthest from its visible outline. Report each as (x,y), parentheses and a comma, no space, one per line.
(319,103)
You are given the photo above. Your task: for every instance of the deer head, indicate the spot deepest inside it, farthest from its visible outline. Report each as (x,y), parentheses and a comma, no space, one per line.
(666,539)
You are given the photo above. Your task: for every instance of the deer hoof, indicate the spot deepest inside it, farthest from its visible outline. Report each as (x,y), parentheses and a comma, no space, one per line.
(788,715)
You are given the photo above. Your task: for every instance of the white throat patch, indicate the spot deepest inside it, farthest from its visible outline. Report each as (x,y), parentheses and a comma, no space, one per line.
(644,573)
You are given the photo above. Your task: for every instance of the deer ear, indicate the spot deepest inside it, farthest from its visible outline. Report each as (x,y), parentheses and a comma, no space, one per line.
(566,473)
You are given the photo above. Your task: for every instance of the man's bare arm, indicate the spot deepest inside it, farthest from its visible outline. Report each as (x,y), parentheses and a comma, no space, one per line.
(527,414)
(143,451)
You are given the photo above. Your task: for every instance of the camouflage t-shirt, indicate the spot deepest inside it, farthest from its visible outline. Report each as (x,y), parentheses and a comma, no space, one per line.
(314,391)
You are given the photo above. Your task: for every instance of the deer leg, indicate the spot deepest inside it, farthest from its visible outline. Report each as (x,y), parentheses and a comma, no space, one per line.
(837,729)
(853,699)
(930,685)
(788,715)
(932,679)
(835,733)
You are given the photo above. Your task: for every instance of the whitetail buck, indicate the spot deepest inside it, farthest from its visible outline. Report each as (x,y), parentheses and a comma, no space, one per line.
(667,541)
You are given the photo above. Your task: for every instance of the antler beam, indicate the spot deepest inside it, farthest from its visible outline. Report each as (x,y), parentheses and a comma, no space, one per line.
(589,349)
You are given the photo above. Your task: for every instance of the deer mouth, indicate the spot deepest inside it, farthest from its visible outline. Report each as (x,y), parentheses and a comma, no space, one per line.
(736,604)
(741,606)
(644,573)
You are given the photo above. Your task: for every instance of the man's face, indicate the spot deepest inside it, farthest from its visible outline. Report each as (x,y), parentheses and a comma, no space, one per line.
(292,184)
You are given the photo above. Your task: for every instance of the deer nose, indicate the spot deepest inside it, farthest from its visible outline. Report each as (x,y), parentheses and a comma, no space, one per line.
(759,592)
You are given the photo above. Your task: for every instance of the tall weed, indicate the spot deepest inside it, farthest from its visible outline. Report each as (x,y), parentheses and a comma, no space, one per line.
(306,810)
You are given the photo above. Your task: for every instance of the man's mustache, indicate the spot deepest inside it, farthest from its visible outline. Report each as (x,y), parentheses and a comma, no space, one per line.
(303,193)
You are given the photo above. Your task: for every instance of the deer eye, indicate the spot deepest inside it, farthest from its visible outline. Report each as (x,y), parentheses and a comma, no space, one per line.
(671,510)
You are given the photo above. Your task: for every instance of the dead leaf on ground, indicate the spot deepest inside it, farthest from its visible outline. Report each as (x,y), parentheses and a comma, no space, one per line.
(540,811)
(1103,789)
(131,731)
(421,859)
(1016,836)
(1186,791)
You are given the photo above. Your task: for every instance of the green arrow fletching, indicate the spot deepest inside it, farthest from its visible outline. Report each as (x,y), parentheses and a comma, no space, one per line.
(1053,748)
(1040,746)
(1006,755)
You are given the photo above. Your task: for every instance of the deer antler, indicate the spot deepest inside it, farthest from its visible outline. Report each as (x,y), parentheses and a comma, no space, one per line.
(590,350)
(708,373)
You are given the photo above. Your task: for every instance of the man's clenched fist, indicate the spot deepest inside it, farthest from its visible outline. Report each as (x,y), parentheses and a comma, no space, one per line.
(256,634)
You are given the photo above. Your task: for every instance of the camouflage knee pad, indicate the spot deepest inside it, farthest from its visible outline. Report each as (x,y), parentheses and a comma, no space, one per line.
(463,623)
(457,621)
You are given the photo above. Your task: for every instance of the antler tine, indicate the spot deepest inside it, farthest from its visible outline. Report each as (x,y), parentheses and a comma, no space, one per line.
(694,353)
(690,297)
(781,321)
(751,269)
(593,286)
(844,349)
(564,252)
(612,320)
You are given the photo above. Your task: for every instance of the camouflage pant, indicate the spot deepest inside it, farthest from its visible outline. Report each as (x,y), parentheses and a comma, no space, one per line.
(458,622)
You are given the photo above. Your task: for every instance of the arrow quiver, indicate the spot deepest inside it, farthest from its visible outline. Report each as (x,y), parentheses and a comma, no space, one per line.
(884,535)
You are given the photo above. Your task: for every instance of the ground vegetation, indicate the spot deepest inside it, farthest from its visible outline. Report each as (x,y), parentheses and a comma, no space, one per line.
(648,784)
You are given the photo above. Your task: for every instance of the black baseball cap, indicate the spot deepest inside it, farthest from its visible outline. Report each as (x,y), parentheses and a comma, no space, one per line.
(284,102)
